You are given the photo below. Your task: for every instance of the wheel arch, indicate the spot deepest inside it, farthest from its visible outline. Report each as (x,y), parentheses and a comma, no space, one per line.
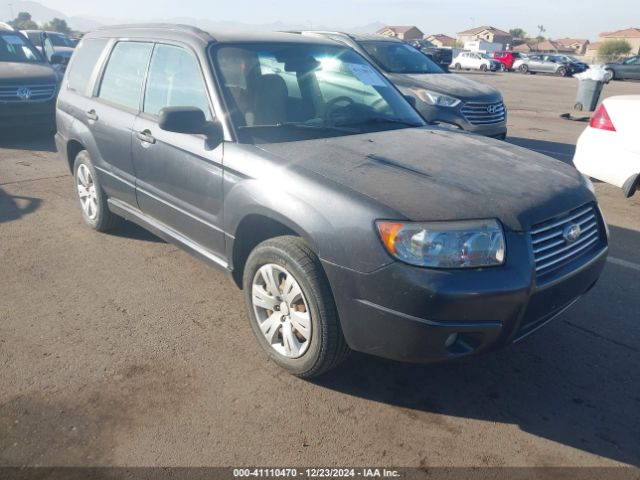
(74,147)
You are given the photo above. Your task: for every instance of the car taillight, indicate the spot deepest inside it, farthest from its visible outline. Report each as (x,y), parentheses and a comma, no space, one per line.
(601,120)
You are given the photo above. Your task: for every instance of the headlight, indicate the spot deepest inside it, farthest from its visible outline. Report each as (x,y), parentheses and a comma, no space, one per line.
(433,98)
(463,244)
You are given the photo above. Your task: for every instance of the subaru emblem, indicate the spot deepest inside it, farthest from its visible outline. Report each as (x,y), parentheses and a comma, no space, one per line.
(571,233)
(24,93)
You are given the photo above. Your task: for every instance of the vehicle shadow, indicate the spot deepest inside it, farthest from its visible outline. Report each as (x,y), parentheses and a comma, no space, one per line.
(134,232)
(37,140)
(13,207)
(560,151)
(574,382)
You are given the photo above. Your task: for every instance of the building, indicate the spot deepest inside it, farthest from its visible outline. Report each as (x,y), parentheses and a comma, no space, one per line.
(578,45)
(486,33)
(441,40)
(631,35)
(545,46)
(403,32)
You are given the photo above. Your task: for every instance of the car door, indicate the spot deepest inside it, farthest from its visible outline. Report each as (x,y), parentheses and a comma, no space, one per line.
(630,68)
(179,180)
(536,64)
(476,61)
(109,115)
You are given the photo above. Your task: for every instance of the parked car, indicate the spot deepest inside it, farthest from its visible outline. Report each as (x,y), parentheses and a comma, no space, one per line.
(628,69)
(543,64)
(28,82)
(506,59)
(449,100)
(62,44)
(292,164)
(577,66)
(475,61)
(608,149)
(441,56)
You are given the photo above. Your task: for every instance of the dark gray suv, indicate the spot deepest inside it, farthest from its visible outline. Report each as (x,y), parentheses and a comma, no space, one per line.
(291,163)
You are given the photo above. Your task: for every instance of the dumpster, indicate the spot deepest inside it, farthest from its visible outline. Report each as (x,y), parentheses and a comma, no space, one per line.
(588,94)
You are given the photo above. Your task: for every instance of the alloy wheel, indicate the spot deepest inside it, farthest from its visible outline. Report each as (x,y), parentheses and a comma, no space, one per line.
(87,191)
(281,310)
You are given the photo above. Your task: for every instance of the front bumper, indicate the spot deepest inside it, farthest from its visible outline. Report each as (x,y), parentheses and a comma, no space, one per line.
(21,114)
(424,315)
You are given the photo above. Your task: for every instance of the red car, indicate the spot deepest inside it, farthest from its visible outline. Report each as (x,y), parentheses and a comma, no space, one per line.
(506,59)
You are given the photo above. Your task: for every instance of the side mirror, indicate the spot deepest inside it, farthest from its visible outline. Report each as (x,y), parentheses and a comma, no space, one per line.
(411,99)
(191,120)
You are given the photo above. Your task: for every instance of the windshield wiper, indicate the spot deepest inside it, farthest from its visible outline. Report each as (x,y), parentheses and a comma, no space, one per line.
(380,120)
(303,125)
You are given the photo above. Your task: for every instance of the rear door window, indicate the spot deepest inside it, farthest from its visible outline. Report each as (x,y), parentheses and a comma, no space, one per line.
(123,77)
(175,80)
(84,61)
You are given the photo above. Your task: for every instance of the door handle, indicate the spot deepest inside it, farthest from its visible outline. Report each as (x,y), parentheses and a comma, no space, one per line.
(91,115)
(145,136)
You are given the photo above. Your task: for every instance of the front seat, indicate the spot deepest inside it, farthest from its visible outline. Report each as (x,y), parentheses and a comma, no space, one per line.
(270,100)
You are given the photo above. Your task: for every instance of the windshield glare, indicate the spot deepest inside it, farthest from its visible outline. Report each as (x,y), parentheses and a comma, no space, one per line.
(15,48)
(396,57)
(59,40)
(287,92)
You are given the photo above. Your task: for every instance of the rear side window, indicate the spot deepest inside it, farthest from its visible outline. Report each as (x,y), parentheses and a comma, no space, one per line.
(175,80)
(124,74)
(84,61)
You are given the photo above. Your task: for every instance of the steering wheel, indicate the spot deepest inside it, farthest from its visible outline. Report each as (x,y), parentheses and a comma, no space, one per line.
(332,105)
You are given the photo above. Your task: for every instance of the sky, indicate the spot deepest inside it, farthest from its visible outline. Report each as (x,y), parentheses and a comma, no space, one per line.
(575,18)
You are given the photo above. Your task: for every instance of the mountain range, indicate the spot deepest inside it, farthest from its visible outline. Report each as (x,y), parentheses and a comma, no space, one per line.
(42,14)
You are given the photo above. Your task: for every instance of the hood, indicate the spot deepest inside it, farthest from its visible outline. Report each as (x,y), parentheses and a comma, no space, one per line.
(431,174)
(449,84)
(22,73)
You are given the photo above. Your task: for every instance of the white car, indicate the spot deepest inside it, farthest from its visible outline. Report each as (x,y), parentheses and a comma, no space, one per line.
(474,61)
(609,148)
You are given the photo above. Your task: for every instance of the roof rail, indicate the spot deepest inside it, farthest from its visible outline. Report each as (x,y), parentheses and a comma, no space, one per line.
(165,26)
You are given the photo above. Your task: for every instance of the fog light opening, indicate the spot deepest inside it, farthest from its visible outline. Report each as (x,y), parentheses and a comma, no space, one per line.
(451,339)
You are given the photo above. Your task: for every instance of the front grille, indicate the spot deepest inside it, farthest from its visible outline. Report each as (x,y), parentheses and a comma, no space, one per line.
(478,113)
(36,93)
(552,251)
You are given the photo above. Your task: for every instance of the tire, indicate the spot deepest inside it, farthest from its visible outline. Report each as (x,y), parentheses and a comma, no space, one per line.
(278,258)
(457,66)
(610,75)
(483,68)
(503,67)
(524,68)
(562,72)
(88,192)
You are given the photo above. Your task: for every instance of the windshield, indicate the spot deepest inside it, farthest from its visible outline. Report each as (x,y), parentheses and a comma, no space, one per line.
(59,40)
(15,48)
(285,92)
(396,57)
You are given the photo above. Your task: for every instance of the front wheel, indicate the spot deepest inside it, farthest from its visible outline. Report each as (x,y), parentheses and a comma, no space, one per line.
(609,75)
(291,308)
(524,68)
(457,66)
(91,197)
(503,67)
(562,72)
(483,68)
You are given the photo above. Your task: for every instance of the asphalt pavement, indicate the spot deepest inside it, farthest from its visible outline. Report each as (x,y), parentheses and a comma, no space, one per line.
(121,349)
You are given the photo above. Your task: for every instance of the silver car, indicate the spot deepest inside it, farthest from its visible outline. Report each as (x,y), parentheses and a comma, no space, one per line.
(543,64)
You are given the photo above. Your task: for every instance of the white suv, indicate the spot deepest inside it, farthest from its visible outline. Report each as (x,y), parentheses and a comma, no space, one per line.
(474,61)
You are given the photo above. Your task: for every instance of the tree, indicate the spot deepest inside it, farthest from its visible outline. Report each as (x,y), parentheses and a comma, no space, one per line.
(518,33)
(614,48)
(23,22)
(57,25)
